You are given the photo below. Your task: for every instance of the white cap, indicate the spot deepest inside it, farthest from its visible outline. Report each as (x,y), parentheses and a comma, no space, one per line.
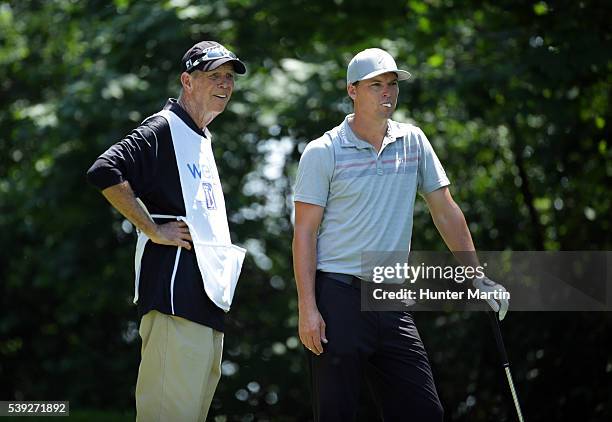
(373,62)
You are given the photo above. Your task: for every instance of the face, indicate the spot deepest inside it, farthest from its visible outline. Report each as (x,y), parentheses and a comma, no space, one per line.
(376,96)
(211,90)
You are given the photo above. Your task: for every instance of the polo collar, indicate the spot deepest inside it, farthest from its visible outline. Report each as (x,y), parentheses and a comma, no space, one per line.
(173,105)
(348,138)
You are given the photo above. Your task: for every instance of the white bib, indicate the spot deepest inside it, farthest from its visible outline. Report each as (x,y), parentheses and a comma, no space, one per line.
(218,259)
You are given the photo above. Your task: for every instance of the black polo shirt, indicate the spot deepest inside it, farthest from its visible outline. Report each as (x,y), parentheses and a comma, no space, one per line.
(145,158)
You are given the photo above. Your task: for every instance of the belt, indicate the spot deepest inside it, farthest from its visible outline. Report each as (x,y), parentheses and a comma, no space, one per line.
(347,279)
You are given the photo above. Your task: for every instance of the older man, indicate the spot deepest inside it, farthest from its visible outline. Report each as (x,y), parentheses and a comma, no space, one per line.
(162,177)
(355,192)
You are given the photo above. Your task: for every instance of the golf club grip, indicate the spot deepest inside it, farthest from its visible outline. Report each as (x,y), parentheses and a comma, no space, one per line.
(498,338)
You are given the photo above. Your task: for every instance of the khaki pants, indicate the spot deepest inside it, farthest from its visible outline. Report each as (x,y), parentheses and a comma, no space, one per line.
(179,369)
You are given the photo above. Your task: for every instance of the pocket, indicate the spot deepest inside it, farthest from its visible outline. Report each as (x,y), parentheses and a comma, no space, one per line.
(220,266)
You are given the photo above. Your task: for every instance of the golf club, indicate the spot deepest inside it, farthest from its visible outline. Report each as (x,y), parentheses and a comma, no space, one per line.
(504,357)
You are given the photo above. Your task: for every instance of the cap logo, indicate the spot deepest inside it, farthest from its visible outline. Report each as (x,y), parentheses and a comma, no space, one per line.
(210,53)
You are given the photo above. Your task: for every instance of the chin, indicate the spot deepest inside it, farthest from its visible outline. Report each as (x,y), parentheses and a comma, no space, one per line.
(387,113)
(219,109)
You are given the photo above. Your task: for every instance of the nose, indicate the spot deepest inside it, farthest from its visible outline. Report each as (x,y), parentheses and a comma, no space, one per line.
(226,82)
(386,91)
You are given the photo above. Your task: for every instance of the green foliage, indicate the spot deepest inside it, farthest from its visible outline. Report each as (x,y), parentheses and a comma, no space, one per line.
(515,98)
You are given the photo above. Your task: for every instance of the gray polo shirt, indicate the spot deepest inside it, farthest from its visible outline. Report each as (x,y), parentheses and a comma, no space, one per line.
(368,196)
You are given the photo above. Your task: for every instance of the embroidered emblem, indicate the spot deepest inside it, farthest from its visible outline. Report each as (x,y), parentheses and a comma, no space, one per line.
(398,162)
(209,196)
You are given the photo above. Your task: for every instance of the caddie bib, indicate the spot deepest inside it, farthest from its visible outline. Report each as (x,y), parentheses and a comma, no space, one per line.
(219,261)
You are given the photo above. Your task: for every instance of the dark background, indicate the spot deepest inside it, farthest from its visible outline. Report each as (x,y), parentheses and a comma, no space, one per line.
(514,96)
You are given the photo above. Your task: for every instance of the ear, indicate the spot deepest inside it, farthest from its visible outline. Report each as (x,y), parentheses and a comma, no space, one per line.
(352,91)
(186,81)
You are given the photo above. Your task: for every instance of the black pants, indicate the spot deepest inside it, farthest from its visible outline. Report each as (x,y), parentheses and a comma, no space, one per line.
(383,347)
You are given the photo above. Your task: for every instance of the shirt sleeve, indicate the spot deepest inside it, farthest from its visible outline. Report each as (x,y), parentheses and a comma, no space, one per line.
(133,159)
(431,173)
(314,173)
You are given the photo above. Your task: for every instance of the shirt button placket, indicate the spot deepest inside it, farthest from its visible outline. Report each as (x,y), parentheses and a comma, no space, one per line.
(379,165)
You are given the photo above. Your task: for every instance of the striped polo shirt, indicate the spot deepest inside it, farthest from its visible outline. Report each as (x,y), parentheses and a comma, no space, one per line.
(368,196)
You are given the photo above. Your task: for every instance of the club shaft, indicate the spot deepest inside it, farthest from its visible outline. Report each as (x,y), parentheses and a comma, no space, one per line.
(505,363)
(514,396)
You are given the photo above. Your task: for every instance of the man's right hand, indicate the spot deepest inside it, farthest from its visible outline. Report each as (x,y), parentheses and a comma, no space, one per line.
(312,329)
(174,233)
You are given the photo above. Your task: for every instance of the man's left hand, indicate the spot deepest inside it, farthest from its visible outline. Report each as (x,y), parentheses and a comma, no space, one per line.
(485,284)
